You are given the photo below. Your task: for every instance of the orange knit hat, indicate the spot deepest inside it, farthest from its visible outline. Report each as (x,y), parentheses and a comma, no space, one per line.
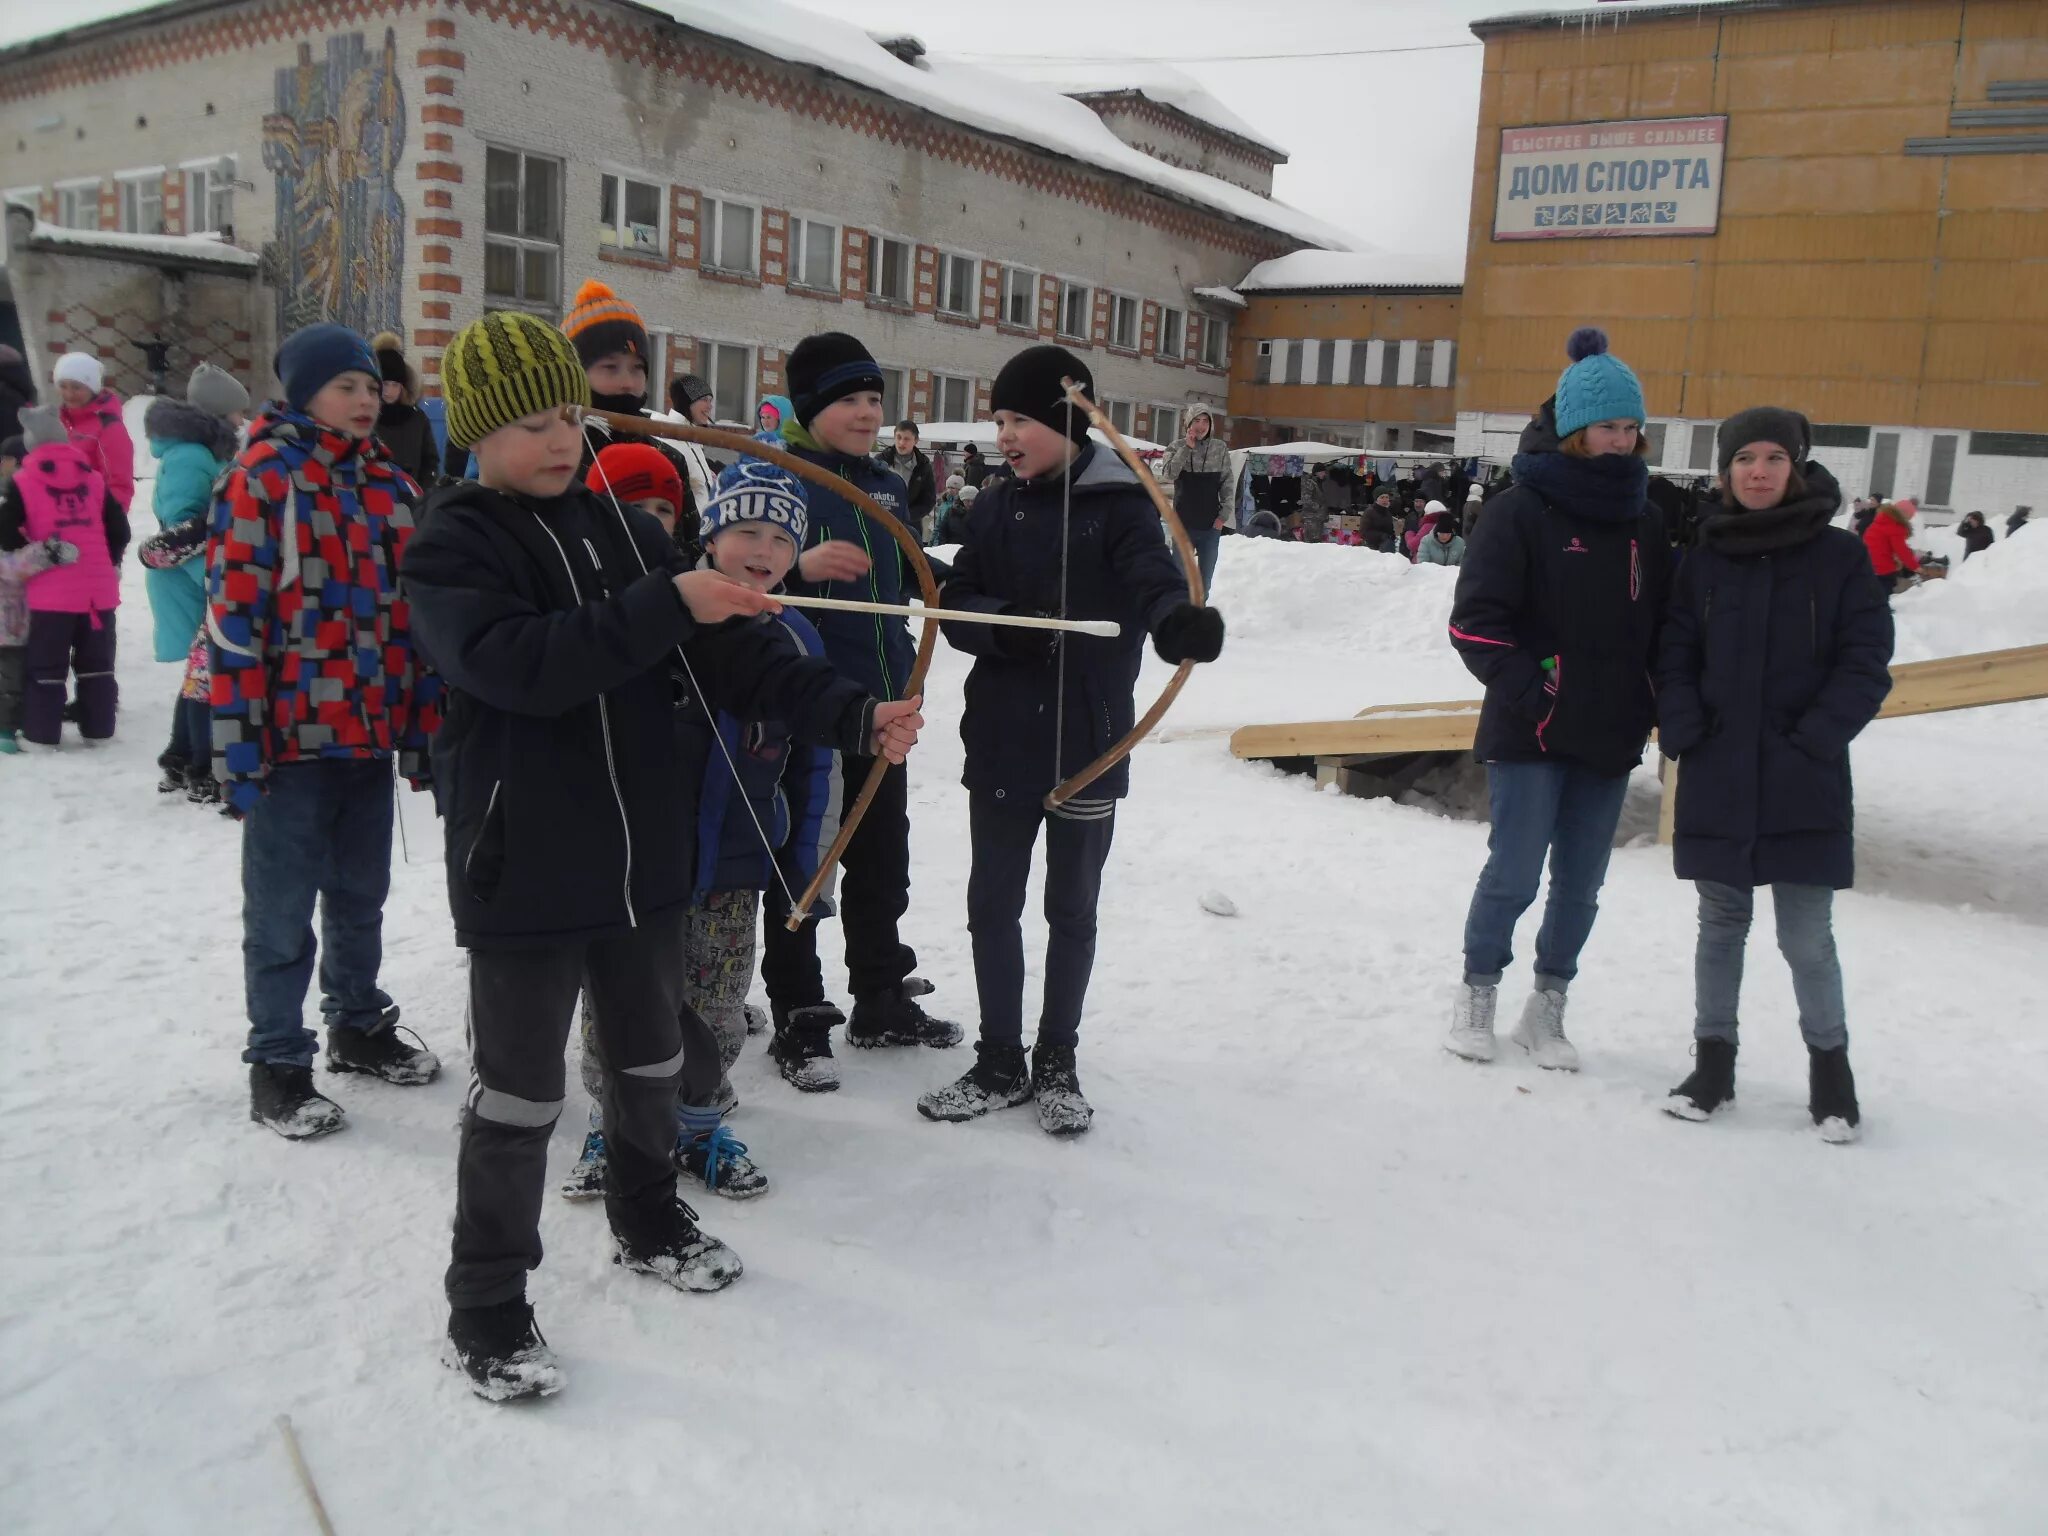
(601,323)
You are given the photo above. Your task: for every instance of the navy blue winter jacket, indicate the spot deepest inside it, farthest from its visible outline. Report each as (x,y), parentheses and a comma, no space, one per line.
(1570,563)
(1118,567)
(1775,654)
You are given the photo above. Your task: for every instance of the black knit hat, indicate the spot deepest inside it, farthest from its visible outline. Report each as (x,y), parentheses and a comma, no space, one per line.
(684,391)
(828,367)
(1030,385)
(1763,424)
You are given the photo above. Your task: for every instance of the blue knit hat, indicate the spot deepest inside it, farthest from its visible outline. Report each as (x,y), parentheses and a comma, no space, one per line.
(312,358)
(754,492)
(1598,386)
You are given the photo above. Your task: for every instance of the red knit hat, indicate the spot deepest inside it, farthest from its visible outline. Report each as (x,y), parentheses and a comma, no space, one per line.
(634,472)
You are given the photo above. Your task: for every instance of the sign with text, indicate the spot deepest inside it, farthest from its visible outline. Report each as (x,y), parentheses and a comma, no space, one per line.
(1580,181)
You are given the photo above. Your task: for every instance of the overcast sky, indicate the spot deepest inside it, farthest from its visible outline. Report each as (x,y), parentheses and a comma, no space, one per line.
(1380,144)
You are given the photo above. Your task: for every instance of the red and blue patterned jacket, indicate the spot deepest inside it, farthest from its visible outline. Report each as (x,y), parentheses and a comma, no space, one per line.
(309,641)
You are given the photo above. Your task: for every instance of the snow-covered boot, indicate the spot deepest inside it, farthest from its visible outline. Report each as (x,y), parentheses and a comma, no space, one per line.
(284,1099)
(380,1053)
(174,770)
(718,1160)
(586,1180)
(501,1350)
(802,1047)
(893,1017)
(1541,1032)
(999,1079)
(1711,1085)
(1061,1109)
(1472,1013)
(201,787)
(667,1245)
(1831,1094)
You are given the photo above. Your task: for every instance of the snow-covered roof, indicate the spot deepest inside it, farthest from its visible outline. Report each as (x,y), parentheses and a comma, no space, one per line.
(1157,82)
(208,248)
(1230,298)
(958,434)
(1611,10)
(1353,269)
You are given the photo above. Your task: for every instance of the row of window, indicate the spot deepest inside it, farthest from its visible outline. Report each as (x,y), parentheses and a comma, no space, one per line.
(209,187)
(1389,364)
(524,227)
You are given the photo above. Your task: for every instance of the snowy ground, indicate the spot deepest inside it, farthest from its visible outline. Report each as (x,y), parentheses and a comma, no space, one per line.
(1307,1274)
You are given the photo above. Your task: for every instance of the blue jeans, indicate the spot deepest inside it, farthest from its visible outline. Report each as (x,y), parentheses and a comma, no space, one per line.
(1207,542)
(1569,813)
(1806,938)
(323,828)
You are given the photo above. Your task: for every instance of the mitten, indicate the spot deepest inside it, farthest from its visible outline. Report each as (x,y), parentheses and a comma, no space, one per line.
(60,551)
(1189,633)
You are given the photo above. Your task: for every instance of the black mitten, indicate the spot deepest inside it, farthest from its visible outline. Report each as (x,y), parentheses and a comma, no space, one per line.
(1189,633)
(1037,645)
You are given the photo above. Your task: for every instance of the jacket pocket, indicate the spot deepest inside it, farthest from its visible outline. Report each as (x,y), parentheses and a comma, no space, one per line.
(483,867)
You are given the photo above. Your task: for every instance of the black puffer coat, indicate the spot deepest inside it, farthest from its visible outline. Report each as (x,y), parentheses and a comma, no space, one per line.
(1775,654)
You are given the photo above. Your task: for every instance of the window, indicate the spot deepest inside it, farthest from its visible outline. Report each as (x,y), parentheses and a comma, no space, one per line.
(956,289)
(629,215)
(814,255)
(78,205)
(1263,373)
(1326,361)
(1119,414)
(1653,434)
(1702,459)
(1165,423)
(522,230)
(2007,445)
(889,270)
(1020,299)
(1123,322)
(895,395)
(1425,361)
(1859,437)
(952,398)
(729,243)
(1390,364)
(729,369)
(1172,339)
(1216,344)
(1361,356)
(1291,371)
(210,195)
(1073,322)
(142,203)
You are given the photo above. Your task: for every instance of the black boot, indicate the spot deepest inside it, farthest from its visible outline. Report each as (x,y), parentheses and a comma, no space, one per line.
(802,1047)
(1831,1094)
(501,1351)
(201,787)
(379,1052)
(174,766)
(999,1079)
(893,1017)
(1712,1084)
(284,1099)
(662,1239)
(1061,1109)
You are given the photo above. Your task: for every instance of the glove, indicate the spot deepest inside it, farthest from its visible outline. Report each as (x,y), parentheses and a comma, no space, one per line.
(1028,645)
(60,552)
(1189,633)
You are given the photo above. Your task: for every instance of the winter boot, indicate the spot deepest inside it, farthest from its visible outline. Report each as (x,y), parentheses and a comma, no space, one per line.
(201,788)
(1711,1086)
(999,1079)
(802,1047)
(501,1350)
(1471,1033)
(1061,1109)
(667,1245)
(893,1017)
(174,771)
(718,1160)
(1541,1032)
(586,1180)
(757,1019)
(284,1099)
(380,1053)
(1831,1094)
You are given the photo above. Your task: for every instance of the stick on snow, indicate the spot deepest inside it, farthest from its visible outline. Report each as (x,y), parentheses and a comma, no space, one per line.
(291,1445)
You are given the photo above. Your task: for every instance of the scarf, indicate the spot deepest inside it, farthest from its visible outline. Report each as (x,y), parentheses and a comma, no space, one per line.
(1735,530)
(1607,489)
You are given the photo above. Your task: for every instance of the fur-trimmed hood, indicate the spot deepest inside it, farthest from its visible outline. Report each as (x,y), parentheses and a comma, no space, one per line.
(173,421)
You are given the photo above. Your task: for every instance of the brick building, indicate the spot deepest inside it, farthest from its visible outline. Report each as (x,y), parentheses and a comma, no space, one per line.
(1876,254)
(744,175)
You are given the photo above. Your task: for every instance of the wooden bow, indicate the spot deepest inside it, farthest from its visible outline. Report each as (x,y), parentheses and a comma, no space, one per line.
(927,584)
(1189,563)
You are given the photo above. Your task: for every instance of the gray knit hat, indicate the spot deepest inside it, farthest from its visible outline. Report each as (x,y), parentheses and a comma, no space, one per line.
(215,391)
(1763,424)
(41,426)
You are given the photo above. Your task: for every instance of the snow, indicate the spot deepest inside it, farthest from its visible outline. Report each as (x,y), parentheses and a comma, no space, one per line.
(1606,11)
(1306,1273)
(207,247)
(1159,82)
(1230,298)
(1354,269)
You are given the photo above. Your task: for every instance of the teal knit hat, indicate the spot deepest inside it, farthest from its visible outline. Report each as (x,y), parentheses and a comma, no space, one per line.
(1598,386)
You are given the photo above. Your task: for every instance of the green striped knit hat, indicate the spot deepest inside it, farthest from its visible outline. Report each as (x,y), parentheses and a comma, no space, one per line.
(503,367)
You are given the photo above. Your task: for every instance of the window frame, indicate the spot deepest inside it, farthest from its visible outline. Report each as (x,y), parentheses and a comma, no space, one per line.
(521,244)
(1059,319)
(1216,340)
(199,218)
(1129,410)
(1027,279)
(900,409)
(878,242)
(129,189)
(607,172)
(1179,426)
(711,235)
(958,261)
(938,408)
(1124,304)
(800,225)
(89,189)
(1179,351)
(707,369)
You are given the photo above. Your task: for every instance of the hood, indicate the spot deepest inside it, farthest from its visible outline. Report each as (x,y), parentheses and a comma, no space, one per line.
(170,421)
(781,404)
(1540,435)
(1205,414)
(1896,513)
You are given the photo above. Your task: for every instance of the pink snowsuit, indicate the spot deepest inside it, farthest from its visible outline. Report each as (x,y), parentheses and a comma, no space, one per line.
(65,497)
(96,427)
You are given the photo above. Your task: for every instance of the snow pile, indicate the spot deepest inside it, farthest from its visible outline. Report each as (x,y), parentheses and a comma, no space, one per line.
(1991,602)
(1162,83)
(207,247)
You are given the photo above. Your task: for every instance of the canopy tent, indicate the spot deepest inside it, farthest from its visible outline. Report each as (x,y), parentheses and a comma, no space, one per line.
(958,434)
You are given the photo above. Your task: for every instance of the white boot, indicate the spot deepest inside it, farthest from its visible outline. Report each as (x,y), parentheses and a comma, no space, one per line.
(1471,1033)
(1541,1032)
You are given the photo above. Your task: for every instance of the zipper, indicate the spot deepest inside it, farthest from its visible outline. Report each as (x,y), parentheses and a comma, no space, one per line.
(604,722)
(490,805)
(875,596)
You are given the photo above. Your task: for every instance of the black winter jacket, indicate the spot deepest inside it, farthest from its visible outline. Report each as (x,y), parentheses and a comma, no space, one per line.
(1571,563)
(570,800)
(408,439)
(1118,567)
(1775,655)
(17,389)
